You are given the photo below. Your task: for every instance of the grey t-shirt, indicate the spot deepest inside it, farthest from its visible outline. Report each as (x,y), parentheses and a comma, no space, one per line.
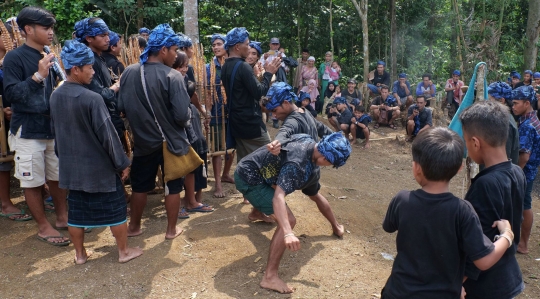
(170,102)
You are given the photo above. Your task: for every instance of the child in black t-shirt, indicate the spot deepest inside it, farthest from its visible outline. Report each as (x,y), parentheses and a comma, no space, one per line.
(359,125)
(497,192)
(437,230)
(304,101)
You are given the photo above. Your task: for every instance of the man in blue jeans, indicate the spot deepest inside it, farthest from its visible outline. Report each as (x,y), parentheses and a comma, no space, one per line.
(381,77)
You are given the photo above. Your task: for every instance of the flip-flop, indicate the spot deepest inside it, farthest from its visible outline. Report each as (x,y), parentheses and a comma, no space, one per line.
(201,209)
(48,205)
(21,213)
(46,240)
(86,229)
(183,214)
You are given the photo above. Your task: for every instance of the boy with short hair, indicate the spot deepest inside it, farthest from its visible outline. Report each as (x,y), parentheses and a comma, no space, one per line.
(496,192)
(436,229)
(529,153)
(359,125)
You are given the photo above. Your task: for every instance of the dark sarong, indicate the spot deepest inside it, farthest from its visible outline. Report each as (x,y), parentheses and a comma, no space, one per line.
(97,209)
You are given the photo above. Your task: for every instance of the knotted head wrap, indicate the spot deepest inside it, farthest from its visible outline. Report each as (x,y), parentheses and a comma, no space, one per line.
(279,93)
(161,36)
(75,53)
(217,36)
(402,75)
(304,96)
(456,72)
(525,93)
(500,90)
(235,36)
(536,75)
(90,27)
(340,100)
(114,38)
(185,41)
(257,46)
(528,72)
(380,62)
(515,74)
(144,30)
(335,148)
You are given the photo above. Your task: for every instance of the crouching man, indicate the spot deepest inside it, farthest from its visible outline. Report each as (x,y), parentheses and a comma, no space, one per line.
(265,179)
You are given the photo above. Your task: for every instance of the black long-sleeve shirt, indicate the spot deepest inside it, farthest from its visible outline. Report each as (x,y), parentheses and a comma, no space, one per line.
(29,99)
(245,114)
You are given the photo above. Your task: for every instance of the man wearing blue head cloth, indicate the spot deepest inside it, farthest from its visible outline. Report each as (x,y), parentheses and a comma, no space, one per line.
(529,153)
(170,104)
(92,169)
(401,89)
(296,167)
(298,121)
(94,33)
(112,53)
(245,116)
(515,78)
(215,107)
(380,77)
(426,88)
(502,92)
(144,32)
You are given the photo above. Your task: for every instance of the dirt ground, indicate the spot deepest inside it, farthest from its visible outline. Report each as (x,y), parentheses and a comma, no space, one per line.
(223,255)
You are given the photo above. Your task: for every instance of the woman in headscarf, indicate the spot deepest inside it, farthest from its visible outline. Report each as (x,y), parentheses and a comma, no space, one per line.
(311,88)
(324,75)
(309,72)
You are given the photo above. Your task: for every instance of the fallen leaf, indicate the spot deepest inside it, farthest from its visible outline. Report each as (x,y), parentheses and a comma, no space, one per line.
(257,259)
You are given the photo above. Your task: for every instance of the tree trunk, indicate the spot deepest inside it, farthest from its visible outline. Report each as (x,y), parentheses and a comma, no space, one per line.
(140,15)
(331,30)
(362,9)
(393,40)
(533,31)
(191,20)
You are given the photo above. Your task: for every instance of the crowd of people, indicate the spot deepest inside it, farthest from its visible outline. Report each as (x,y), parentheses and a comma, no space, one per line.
(68,131)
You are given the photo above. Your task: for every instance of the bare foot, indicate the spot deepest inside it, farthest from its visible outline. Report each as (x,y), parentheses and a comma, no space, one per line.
(79,260)
(130,254)
(339,231)
(218,193)
(178,231)
(134,233)
(227,179)
(522,249)
(257,215)
(276,284)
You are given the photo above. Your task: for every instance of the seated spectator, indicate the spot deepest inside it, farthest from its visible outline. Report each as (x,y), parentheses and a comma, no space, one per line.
(359,125)
(341,116)
(304,102)
(401,89)
(352,94)
(454,93)
(380,77)
(418,118)
(515,78)
(527,77)
(311,89)
(426,88)
(385,109)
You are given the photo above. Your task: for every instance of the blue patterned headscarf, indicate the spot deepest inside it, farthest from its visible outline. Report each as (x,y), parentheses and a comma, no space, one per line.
(83,28)
(75,53)
(257,46)
(402,75)
(161,36)
(340,100)
(114,38)
(185,41)
(536,75)
(278,93)
(500,90)
(525,92)
(515,74)
(235,36)
(144,30)
(217,36)
(380,62)
(528,72)
(335,148)
(303,96)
